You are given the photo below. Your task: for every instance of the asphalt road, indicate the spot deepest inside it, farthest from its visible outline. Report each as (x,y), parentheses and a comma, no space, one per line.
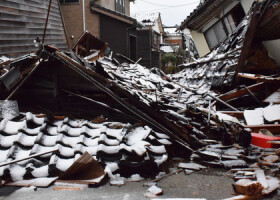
(211,184)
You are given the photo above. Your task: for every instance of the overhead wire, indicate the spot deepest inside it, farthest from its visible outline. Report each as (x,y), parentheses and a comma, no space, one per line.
(169,6)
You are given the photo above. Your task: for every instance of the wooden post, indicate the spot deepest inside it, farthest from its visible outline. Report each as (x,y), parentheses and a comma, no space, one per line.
(221,101)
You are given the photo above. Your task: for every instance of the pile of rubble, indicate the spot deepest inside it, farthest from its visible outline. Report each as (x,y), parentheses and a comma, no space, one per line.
(85,109)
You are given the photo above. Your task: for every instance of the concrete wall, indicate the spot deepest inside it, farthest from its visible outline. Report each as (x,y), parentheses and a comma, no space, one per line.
(200,43)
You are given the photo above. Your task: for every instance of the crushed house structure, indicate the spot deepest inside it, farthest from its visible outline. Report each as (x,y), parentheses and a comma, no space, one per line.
(213,20)
(125,119)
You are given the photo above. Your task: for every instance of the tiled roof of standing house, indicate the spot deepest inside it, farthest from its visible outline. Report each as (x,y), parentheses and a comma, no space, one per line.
(148,19)
(172,31)
(169,48)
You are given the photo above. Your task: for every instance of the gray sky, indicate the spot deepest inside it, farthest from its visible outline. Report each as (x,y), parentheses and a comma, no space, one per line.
(172,12)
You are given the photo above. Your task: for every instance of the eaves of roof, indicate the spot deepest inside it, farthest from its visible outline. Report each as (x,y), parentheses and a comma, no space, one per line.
(203,13)
(95,8)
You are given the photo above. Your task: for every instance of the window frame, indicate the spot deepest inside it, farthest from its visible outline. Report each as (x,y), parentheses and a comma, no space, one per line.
(223,20)
(120,6)
(63,2)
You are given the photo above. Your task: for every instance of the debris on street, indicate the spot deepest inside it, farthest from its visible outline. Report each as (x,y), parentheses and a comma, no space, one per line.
(84,117)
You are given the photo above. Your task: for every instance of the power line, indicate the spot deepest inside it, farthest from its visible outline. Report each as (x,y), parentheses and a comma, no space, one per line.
(169,5)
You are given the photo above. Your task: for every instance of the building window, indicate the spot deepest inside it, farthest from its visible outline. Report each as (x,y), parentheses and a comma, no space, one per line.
(120,6)
(224,27)
(215,35)
(69,1)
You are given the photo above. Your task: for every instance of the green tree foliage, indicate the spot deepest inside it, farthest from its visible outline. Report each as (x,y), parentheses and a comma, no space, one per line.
(168,58)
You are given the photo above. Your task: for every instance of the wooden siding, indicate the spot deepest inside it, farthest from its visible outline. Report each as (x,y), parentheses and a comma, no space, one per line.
(22,21)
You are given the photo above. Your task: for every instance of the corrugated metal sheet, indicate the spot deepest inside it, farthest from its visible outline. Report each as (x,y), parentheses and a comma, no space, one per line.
(21,21)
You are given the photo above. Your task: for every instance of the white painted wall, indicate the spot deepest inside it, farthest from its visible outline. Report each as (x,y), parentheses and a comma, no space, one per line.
(187,32)
(200,43)
(246,4)
(156,27)
(273,48)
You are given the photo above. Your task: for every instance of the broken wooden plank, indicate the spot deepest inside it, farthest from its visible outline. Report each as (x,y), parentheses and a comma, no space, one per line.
(248,187)
(258,77)
(243,169)
(192,166)
(242,91)
(167,175)
(249,37)
(221,101)
(261,178)
(245,197)
(85,168)
(67,188)
(273,128)
(273,184)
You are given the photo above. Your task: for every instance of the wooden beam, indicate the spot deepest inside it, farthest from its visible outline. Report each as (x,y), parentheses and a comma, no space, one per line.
(242,91)
(249,37)
(273,128)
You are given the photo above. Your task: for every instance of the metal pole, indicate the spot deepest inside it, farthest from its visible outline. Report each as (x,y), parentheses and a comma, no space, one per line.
(251,93)
(84,16)
(47,19)
(27,158)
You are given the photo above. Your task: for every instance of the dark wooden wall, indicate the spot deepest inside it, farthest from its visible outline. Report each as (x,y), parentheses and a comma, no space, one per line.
(21,21)
(144,47)
(116,34)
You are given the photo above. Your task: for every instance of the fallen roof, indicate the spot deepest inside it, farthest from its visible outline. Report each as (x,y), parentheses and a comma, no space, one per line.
(235,55)
(108,142)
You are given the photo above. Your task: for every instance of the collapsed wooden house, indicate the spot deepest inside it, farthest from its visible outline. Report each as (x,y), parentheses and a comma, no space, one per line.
(97,104)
